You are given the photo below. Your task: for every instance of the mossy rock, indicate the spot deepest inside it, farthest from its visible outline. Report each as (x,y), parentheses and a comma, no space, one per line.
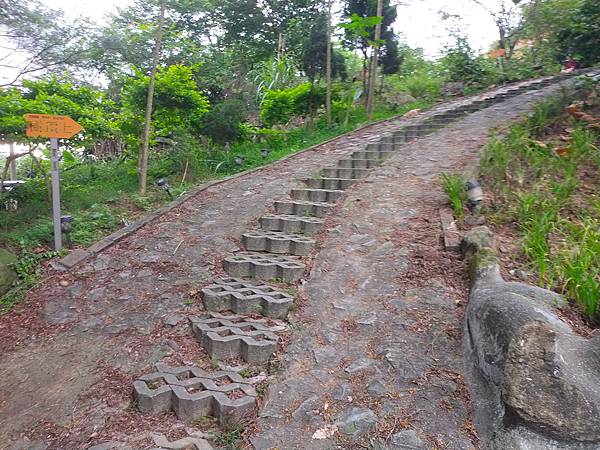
(8,275)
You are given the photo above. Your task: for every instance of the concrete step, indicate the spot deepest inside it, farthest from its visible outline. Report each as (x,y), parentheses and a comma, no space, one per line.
(277,242)
(302,208)
(338,184)
(375,155)
(384,145)
(316,195)
(290,224)
(357,163)
(339,172)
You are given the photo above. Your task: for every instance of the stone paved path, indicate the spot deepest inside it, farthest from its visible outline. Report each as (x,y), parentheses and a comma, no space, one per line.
(374,349)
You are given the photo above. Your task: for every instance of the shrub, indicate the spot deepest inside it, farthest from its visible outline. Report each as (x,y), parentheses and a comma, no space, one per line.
(223,122)
(461,64)
(280,106)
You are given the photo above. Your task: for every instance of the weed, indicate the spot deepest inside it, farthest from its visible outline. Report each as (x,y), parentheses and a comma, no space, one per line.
(29,269)
(454,187)
(248,372)
(261,391)
(230,437)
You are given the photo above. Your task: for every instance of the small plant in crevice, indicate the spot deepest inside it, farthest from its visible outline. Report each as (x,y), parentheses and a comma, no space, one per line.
(230,436)
(454,187)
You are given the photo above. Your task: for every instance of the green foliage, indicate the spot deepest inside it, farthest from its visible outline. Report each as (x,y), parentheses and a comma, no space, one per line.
(223,123)
(58,95)
(230,437)
(454,187)
(536,187)
(419,85)
(272,75)
(178,105)
(281,105)
(28,269)
(461,64)
(582,36)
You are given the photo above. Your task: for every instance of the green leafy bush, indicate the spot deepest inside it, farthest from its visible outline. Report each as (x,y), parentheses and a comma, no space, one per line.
(280,106)
(223,122)
(460,63)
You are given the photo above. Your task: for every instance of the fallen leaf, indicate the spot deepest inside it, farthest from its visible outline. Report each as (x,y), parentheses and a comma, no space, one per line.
(325,433)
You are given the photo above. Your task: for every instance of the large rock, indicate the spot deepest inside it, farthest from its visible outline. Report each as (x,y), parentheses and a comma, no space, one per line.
(8,275)
(536,384)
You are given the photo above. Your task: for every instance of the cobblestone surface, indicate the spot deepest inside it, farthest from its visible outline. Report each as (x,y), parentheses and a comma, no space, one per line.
(71,352)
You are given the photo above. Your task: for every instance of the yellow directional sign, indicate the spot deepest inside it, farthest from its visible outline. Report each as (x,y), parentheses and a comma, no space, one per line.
(44,125)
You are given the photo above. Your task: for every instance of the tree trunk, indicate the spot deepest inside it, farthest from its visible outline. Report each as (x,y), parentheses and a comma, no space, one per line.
(374,60)
(143,166)
(328,69)
(13,164)
(364,77)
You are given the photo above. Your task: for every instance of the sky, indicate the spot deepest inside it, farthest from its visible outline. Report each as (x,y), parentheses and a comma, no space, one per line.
(418,20)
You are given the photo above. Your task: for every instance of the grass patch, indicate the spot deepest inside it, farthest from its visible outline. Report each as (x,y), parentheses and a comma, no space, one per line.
(230,438)
(544,175)
(454,187)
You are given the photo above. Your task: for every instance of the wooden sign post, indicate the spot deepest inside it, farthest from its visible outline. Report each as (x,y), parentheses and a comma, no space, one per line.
(55,128)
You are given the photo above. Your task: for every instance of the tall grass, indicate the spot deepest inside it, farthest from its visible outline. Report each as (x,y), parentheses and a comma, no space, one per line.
(454,187)
(537,188)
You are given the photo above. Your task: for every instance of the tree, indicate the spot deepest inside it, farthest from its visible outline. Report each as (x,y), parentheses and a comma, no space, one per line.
(54,95)
(40,40)
(143,160)
(360,30)
(543,22)
(507,16)
(582,38)
(374,58)
(460,63)
(329,64)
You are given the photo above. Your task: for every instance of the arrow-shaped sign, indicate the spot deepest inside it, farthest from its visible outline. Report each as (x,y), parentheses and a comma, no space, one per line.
(44,125)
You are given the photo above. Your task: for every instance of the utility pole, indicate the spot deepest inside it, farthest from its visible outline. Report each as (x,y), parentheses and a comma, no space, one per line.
(143,162)
(374,59)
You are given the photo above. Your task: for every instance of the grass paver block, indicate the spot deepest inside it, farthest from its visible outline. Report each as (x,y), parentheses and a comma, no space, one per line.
(264,266)
(193,393)
(338,172)
(277,242)
(290,223)
(302,208)
(357,163)
(186,443)
(316,195)
(336,184)
(246,297)
(236,336)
